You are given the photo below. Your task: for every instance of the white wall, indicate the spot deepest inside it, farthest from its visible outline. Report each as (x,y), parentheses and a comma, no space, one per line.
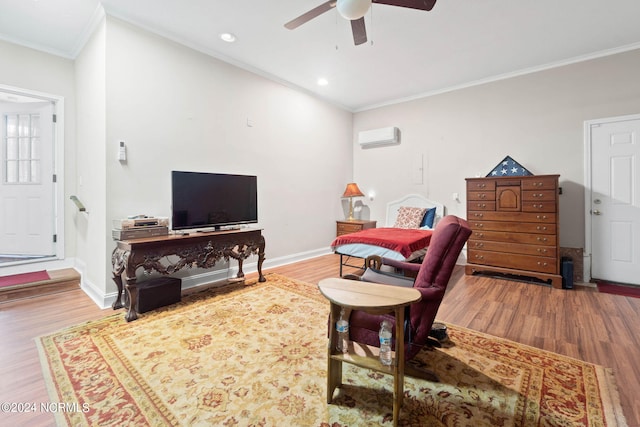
(91,175)
(537,119)
(178,109)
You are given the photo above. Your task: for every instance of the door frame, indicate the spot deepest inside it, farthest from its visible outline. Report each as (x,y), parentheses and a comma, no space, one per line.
(588,124)
(58,188)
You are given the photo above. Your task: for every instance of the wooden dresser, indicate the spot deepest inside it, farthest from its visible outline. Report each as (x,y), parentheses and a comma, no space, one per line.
(515,226)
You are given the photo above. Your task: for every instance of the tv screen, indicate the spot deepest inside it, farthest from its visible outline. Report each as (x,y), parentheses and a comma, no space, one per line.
(206,200)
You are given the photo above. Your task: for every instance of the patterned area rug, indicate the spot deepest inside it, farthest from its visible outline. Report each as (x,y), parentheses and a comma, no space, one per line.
(255,355)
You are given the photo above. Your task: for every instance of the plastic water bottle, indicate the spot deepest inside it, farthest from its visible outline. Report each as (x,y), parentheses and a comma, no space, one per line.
(385,342)
(342,326)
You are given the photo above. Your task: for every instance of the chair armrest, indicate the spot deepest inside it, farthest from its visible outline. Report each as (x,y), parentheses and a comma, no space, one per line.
(402,265)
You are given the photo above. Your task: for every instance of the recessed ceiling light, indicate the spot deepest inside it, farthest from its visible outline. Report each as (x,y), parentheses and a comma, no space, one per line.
(228,37)
(322,81)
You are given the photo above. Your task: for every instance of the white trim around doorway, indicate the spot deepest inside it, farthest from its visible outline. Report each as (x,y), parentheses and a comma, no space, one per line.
(58,261)
(588,124)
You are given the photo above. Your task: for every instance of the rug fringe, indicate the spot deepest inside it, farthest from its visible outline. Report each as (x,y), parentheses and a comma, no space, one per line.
(611,398)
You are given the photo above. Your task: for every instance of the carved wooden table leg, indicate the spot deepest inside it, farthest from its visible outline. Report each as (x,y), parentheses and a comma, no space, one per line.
(261,259)
(240,274)
(117,304)
(132,291)
(118,261)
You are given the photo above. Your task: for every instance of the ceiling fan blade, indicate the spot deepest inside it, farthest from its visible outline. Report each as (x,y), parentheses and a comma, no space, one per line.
(412,4)
(308,16)
(359,31)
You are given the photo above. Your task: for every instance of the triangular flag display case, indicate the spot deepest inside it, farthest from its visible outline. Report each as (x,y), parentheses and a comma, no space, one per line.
(509,167)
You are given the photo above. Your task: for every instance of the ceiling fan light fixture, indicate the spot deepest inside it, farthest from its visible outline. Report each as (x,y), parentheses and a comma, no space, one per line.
(353,9)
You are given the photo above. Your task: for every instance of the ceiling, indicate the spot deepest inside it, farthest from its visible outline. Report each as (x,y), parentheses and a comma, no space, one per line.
(410,53)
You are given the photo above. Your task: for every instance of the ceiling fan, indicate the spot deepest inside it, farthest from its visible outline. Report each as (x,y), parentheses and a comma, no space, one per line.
(354,10)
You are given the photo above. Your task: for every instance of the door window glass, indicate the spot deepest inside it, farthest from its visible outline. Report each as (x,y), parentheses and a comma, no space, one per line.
(22,149)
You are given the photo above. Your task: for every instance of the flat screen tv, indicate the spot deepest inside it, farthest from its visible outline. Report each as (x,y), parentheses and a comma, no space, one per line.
(212,200)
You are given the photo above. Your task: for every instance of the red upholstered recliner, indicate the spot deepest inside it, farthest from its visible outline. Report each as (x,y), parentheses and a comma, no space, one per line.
(448,239)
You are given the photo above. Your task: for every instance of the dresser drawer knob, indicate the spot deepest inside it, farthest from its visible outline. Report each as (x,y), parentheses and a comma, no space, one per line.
(542,239)
(479,245)
(479,235)
(482,205)
(542,251)
(542,264)
(541,228)
(478,215)
(479,257)
(479,225)
(541,217)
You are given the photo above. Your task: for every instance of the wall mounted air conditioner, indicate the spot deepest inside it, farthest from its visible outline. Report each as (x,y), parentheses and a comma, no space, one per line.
(377,137)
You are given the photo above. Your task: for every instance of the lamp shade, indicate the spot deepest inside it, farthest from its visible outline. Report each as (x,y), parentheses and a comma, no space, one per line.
(352,190)
(353,9)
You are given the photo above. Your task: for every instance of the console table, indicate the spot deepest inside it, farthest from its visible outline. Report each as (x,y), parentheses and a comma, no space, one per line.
(195,249)
(373,298)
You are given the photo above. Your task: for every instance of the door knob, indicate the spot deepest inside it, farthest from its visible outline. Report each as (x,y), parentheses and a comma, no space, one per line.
(595,212)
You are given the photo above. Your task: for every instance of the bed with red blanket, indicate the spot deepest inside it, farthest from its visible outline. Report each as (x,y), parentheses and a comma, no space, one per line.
(391,241)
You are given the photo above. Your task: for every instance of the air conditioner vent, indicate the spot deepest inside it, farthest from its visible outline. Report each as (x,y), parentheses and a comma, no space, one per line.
(377,137)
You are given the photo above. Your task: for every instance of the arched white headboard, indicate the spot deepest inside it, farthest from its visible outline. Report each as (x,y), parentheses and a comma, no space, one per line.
(413,200)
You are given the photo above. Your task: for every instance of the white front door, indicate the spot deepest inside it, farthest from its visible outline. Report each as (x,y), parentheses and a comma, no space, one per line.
(615,199)
(26,183)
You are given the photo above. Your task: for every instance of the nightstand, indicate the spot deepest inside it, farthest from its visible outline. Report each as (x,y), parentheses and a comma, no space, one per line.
(346,226)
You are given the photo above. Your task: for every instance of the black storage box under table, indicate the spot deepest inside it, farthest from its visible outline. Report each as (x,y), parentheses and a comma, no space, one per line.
(158,292)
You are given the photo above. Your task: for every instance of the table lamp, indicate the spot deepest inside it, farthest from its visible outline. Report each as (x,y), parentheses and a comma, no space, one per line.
(352,191)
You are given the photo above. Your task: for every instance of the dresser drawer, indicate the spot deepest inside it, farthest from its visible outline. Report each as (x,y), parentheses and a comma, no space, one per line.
(539,195)
(481,195)
(515,227)
(540,183)
(481,206)
(348,228)
(511,216)
(503,236)
(528,206)
(518,261)
(508,248)
(480,184)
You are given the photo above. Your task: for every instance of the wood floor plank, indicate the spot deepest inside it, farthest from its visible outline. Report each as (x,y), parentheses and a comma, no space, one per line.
(580,323)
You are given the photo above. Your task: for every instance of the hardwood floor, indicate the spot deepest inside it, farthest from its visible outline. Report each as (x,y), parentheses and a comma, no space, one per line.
(580,323)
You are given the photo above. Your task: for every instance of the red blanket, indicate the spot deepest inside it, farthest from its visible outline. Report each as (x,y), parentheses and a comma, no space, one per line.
(403,240)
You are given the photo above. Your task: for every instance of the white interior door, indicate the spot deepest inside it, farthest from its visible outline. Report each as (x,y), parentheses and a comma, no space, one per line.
(615,200)
(26,185)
